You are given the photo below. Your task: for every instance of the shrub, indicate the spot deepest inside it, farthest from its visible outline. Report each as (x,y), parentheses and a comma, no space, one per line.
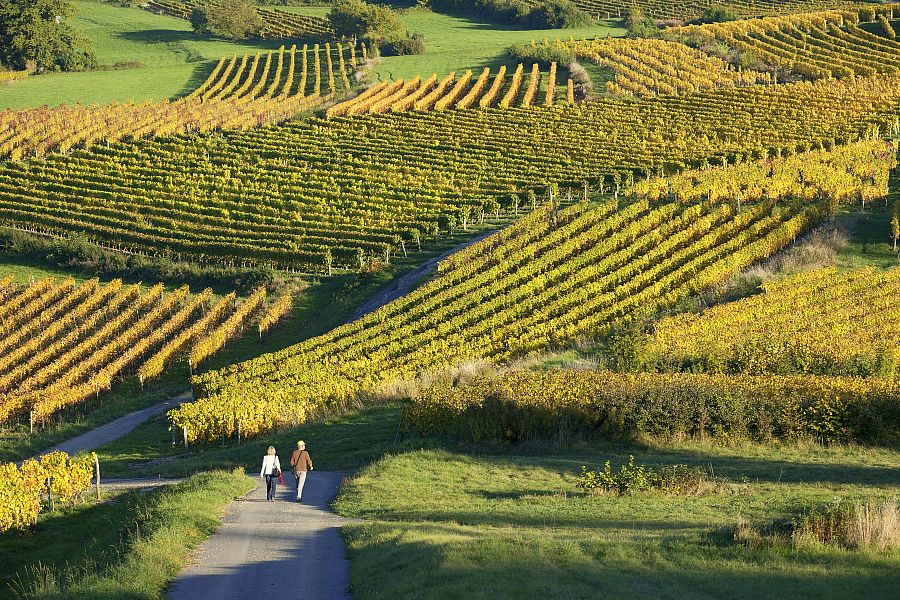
(631,478)
(718,14)
(640,26)
(414,44)
(543,14)
(234,19)
(375,23)
(860,525)
(543,54)
(564,404)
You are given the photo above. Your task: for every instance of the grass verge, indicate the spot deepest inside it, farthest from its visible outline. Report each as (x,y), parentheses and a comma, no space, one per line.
(137,542)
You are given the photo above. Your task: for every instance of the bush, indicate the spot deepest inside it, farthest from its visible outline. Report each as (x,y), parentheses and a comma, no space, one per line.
(375,23)
(564,404)
(640,26)
(415,44)
(233,19)
(718,14)
(543,54)
(544,14)
(860,525)
(672,479)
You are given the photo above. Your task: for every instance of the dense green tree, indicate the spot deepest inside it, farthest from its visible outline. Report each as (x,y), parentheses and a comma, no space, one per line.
(36,32)
(235,19)
(376,23)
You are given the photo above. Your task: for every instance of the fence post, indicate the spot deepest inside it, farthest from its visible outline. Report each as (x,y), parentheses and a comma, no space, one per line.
(184,435)
(50,493)
(31,421)
(239,431)
(97,474)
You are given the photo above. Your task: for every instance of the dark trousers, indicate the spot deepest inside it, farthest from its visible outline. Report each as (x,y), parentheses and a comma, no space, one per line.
(271,484)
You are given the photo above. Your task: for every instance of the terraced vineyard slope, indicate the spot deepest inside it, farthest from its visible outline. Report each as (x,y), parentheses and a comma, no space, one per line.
(814,45)
(241,92)
(321,194)
(550,279)
(819,322)
(63,343)
(650,67)
(692,9)
(467,91)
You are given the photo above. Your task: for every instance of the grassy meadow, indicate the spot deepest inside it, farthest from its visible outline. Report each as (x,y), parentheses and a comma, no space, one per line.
(462,524)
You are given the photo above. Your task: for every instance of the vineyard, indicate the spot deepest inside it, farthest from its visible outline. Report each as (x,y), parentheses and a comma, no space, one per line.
(818,322)
(855,173)
(240,93)
(275,23)
(650,67)
(550,279)
(814,45)
(23,489)
(692,9)
(63,343)
(314,195)
(466,92)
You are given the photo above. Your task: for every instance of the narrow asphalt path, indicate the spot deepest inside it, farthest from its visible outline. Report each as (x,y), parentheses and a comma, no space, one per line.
(120,427)
(278,550)
(405,284)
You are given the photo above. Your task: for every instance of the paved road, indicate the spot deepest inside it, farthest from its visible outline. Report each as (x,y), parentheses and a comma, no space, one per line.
(273,550)
(405,284)
(113,430)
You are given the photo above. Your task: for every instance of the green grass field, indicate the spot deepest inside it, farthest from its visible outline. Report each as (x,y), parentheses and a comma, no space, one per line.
(457,43)
(452,524)
(175,59)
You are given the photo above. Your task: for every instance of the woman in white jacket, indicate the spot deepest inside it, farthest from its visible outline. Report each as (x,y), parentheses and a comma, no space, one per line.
(271,469)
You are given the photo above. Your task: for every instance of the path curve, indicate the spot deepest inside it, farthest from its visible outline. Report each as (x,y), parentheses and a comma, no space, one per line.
(117,428)
(273,550)
(405,284)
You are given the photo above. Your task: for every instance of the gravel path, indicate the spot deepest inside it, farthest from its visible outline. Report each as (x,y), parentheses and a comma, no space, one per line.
(137,484)
(273,550)
(120,427)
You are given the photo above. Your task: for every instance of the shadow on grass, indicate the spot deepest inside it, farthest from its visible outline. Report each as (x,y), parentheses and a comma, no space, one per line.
(437,561)
(729,465)
(66,538)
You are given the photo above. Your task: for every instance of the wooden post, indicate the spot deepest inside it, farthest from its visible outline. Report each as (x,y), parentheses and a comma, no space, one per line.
(50,493)
(97,474)
(239,431)
(31,421)
(184,435)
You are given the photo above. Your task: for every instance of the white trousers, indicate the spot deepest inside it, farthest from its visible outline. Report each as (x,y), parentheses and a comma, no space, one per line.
(301,479)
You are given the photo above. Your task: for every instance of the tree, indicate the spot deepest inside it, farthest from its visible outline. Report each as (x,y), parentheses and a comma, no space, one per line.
(199,21)
(235,19)
(640,26)
(36,32)
(375,23)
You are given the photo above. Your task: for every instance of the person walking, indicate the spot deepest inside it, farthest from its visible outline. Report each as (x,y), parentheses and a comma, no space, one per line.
(300,460)
(271,471)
